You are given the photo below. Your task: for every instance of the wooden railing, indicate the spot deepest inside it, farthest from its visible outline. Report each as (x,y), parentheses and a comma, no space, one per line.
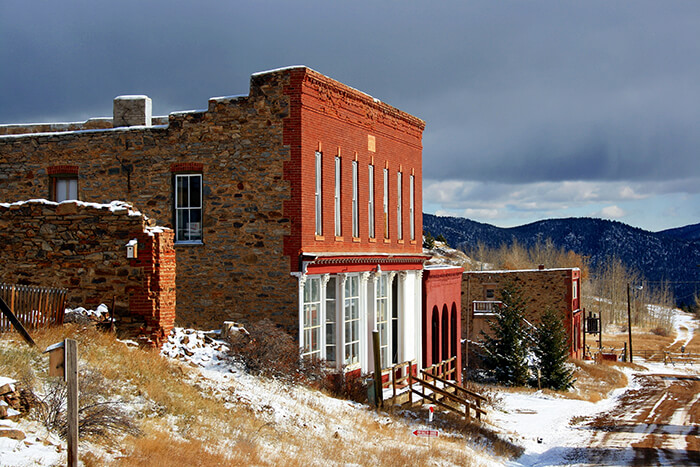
(460,397)
(34,307)
(397,376)
(486,307)
(445,369)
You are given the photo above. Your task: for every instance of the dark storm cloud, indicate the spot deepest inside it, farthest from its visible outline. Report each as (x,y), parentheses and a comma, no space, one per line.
(517,92)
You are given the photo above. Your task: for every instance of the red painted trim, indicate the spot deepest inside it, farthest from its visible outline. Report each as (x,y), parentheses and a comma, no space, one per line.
(187,167)
(62,170)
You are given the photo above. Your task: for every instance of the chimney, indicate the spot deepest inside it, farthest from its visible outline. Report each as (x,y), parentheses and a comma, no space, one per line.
(541,267)
(131,111)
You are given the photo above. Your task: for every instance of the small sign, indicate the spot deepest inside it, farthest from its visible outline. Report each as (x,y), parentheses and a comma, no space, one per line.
(426,433)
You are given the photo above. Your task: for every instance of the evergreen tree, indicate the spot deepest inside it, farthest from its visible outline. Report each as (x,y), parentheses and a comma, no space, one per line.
(441,238)
(428,241)
(552,351)
(506,346)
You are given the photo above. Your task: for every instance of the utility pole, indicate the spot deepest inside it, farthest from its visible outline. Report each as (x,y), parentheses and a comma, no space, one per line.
(629,321)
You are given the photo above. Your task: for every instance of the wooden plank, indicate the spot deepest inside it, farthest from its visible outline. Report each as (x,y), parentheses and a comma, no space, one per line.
(16,323)
(72,405)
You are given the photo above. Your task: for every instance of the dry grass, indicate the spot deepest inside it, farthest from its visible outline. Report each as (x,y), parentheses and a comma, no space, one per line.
(595,381)
(186,423)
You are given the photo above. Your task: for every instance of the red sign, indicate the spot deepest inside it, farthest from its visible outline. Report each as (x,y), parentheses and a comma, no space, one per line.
(426,433)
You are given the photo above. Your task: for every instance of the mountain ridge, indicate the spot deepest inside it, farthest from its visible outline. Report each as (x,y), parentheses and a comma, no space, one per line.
(660,256)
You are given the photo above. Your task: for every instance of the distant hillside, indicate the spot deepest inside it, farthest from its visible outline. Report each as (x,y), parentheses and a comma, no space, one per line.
(689,232)
(659,256)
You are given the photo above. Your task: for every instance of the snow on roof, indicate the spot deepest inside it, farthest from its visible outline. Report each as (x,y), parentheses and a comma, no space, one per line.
(519,270)
(97,130)
(284,68)
(227,98)
(114,206)
(132,97)
(441,266)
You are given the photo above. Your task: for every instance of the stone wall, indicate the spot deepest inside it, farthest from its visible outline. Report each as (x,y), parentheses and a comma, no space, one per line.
(542,289)
(82,247)
(239,271)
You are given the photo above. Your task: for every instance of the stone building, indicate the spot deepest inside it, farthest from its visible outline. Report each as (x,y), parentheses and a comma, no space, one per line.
(300,202)
(558,289)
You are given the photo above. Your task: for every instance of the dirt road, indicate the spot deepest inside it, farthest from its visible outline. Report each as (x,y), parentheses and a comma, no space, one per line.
(658,423)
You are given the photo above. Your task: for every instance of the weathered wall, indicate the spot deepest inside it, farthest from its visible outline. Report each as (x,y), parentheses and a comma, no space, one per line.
(239,271)
(542,289)
(81,247)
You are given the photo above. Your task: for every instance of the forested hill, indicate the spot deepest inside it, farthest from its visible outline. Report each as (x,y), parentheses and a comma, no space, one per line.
(689,232)
(658,255)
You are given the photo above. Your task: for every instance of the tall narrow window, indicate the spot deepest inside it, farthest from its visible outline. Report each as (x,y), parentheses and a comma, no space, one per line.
(338,231)
(370,201)
(330,320)
(383,319)
(385,205)
(355,205)
(65,188)
(318,200)
(399,207)
(411,207)
(312,318)
(188,208)
(351,320)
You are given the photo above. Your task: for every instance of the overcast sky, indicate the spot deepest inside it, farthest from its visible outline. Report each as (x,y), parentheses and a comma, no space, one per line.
(533,109)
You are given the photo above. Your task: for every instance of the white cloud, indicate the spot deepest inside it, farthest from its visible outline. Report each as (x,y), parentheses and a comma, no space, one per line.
(611,212)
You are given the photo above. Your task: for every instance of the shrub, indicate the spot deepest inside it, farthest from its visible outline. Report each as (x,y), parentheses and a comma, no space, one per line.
(272,352)
(659,331)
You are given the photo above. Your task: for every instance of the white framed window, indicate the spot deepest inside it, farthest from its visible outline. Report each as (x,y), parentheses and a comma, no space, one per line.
(188,208)
(411,206)
(370,201)
(399,206)
(385,205)
(312,318)
(574,289)
(318,196)
(330,319)
(338,230)
(355,201)
(351,320)
(65,188)
(383,323)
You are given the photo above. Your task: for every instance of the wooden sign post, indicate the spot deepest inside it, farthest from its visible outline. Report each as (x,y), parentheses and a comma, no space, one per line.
(63,361)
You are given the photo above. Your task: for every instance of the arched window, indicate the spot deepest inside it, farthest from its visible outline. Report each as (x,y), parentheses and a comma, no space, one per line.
(435,344)
(445,334)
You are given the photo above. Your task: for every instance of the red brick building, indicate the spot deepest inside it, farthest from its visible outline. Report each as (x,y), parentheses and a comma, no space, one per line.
(300,202)
(558,289)
(442,316)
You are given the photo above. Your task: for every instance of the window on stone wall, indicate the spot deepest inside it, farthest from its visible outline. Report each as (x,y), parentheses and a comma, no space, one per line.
(318,196)
(188,208)
(351,320)
(64,188)
(312,318)
(490,294)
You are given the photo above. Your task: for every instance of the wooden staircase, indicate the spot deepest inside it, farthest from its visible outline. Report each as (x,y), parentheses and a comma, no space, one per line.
(435,386)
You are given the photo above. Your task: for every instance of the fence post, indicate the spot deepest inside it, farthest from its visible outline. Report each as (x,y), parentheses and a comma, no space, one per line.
(72,406)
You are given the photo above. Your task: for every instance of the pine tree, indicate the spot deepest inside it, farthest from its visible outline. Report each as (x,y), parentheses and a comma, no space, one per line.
(506,346)
(552,350)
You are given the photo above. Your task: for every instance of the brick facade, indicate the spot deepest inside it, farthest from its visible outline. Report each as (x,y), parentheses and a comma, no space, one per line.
(82,247)
(558,289)
(442,315)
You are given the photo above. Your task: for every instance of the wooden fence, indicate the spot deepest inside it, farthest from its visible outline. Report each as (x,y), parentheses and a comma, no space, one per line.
(34,307)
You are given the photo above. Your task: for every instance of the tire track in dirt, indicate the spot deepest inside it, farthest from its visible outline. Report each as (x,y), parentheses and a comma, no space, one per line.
(656,423)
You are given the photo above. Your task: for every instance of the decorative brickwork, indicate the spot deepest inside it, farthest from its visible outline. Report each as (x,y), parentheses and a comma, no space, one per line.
(82,247)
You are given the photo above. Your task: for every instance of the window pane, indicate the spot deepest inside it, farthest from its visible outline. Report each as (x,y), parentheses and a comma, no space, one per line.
(182,187)
(195,191)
